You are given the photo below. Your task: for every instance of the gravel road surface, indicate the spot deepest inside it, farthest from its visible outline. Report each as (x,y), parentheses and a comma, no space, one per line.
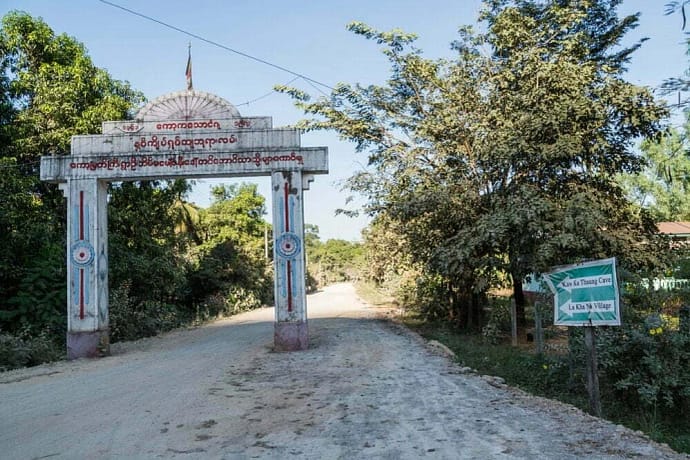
(366,388)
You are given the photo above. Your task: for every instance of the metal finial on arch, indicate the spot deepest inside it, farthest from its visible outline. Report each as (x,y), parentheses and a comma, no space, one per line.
(187,105)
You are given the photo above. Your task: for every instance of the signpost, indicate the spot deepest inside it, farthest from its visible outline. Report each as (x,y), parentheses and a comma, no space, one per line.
(586,295)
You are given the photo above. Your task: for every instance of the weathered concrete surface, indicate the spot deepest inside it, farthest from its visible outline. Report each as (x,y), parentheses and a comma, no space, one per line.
(365,388)
(291,336)
(87,344)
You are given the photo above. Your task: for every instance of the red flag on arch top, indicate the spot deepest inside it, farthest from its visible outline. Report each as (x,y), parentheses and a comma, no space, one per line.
(188,72)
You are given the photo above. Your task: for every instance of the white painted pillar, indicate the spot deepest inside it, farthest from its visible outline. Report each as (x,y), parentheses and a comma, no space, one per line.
(87,268)
(290,331)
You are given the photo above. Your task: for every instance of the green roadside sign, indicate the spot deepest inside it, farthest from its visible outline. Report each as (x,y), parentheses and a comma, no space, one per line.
(585,294)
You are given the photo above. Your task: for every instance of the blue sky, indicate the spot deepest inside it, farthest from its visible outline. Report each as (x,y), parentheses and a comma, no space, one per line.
(308,37)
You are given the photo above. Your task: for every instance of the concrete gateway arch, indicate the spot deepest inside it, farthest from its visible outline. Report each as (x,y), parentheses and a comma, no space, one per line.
(186,134)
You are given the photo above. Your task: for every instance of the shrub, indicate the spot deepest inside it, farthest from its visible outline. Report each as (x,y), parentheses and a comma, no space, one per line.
(14,352)
(648,366)
(498,323)
(131,320)
(239,299)
(23,349)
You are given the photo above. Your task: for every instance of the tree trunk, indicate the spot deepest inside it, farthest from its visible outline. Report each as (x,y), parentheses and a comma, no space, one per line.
(519,297)
(470,311)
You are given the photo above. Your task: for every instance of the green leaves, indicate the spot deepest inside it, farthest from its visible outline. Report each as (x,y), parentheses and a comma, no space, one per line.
(662,186)
(49,91)
(396,39)
(490,165)
(231,253)
(55,87)
(334,260)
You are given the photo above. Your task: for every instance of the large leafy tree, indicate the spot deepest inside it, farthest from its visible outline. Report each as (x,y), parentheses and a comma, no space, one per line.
(49,90)
(54,88)
(503,163)
(563,125)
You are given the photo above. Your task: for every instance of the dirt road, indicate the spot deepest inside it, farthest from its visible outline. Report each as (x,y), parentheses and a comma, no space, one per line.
(366,388)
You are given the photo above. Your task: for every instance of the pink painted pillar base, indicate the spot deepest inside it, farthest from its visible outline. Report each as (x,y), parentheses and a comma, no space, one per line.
(290,336)
(94,344)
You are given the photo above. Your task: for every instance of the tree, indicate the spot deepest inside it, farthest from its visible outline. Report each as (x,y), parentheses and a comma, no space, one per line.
(147,253)
(663,185)
(32,264)
(503,164)
(563,125)
(164,252)
(332,261)
(232,254)
(49,91)
(55,88)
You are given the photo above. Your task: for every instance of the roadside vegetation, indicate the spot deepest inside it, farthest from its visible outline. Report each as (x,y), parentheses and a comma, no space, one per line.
(527,149)
(643,364)
(332,261)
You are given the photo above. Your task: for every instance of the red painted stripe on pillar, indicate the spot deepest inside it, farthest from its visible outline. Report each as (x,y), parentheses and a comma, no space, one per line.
(81,215)
(289,285)
(287,229)
(81,293)
(287,204)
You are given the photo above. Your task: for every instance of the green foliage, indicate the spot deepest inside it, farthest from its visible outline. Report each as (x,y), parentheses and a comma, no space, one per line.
(173,264)
(643,364)
(646,360)
(239,299)
(498,321)
(428,290)
(387,264)
(145,250)
(40,301)
(484,168)
(231,258)
(332,261)
(650,369)
(49,91)
(682,83)
(54,87)
(167,257)
(131,319)
(31,254)
(236,214)
(28,348)
(662,186)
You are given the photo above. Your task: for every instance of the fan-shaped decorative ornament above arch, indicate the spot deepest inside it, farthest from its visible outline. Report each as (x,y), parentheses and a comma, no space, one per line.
(187,105)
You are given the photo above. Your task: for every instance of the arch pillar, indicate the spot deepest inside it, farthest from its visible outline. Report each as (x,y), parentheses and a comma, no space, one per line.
(290,328)
(87,268)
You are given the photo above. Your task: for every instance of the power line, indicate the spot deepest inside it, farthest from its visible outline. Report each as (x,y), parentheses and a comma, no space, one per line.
(266,95)
(219,45)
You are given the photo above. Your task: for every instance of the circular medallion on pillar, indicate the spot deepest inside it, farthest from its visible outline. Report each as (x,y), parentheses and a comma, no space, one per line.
(288,245)
(82,253)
